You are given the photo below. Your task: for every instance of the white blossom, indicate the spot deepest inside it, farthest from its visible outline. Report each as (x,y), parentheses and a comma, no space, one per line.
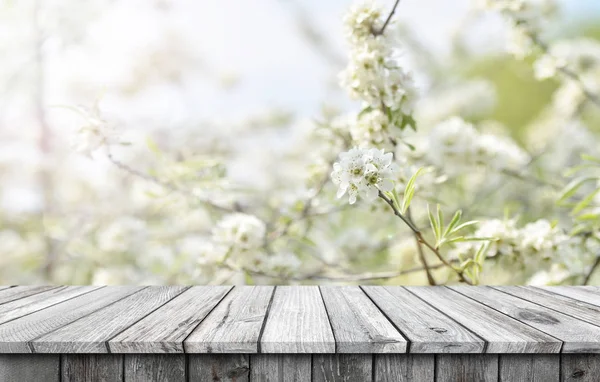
(240,231)
(363,172)
(95,134)
(121,235)
(540,238)
(554,276)
(451,144)
(374,74)
(456,145)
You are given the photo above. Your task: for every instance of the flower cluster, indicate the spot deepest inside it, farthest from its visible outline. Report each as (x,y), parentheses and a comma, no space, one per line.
(581,56)
(363,172)
(523,19)
(94,134)
(539,239)
(456,145)
(240,232)
(374,74)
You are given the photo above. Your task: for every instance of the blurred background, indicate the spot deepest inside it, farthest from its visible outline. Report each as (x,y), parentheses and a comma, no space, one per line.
(232,81)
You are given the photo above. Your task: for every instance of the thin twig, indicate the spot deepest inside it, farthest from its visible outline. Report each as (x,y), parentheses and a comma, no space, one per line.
(591,96)
(387,21)
(152,179)
(588,276)
(421,239)
(421,253)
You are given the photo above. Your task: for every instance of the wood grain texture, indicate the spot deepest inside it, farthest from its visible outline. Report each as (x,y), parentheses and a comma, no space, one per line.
(16,335)
(404,367)
(578,336)
(92,367)
(575,308)
(5,286)
(297,323)
(342,367)
(280,367)
(24,306)
(91,333)
(428,330)
(234,325)
(502,333)
(466,368)
(580,367)
(219,367)
(358,325)
(585,294)
(529,368)
(164,330)
(154,367)
(15,293)
(29,368)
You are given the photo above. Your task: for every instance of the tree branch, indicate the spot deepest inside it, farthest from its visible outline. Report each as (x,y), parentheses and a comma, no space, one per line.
(421,239)
(387,21)
(421,253)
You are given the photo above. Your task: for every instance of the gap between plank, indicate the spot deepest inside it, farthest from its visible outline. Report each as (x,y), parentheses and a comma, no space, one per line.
(201,321)
(264,323)
(512,318)
(56,303)
(141,318)
(30,342)
(408,342)
(485,343)
(548,307)
(335,346)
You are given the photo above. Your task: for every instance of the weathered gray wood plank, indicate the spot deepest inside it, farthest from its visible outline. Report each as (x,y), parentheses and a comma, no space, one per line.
(5,287)
(164,330)
(502,333)
(358,325)
(91,333)
(580,367)
(154,367)
(91,367)
(529,367)
(234,325)
(39,301)
(280,367)
(585,294)
(342,367)
(29,368)
(578,336)
(16,335)
(428,330)
(466,368)
(404,367)
(563,304)
(15,293)
(219,367)
(297,323)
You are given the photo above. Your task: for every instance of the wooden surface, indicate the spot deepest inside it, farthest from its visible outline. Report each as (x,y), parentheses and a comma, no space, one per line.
(300,367)
(301,320)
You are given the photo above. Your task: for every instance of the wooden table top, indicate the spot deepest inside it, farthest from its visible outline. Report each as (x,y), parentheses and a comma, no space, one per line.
(299,319)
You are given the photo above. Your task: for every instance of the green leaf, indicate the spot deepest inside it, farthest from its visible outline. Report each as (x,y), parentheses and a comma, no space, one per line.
(453,222)
(585,202)
(408,120)
(572,188)
(464,225)
(434,225)
(365,111)
(152,145)
(409,190)
(590,158)
(440,215)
